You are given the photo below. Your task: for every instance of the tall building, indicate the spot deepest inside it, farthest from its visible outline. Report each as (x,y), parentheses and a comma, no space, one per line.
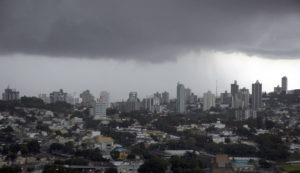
(180,107)
(159,96)
(284,84)
(100,109)
(187,95)
(152,104)
(133,103)
(87,98)
(56,96)
(105,96)
(10,94)
(165,98)
(234,88)
(235,95)
(132,96)
(256,95)
(226,98)
(209,100)
(244,98)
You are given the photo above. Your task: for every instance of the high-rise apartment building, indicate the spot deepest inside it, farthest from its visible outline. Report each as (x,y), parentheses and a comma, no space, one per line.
(256,95)
(180,106)
(209,100)
(10,94)
(165,98)
(284,84)
(87,98)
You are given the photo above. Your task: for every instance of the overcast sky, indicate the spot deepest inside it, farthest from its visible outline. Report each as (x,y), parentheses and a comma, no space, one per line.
(147,46)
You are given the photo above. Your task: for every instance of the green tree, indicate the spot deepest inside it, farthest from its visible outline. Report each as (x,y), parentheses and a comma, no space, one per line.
(153,165)
(111,170)
(33,146)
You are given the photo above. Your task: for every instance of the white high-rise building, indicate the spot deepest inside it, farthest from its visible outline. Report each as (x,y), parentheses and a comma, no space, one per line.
(100,109)
(209,100)
(256,95)
(105,96)
(244,97)
(284,84)
(180,107)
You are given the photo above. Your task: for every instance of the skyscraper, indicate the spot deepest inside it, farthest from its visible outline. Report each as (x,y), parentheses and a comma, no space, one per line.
(209,100)
(10,94)
(284,84)
(235,95)
(244,98)
(180,107)
(105,96)
(256,95)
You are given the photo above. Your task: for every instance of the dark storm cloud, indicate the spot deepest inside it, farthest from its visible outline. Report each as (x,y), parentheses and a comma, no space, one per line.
(149,30)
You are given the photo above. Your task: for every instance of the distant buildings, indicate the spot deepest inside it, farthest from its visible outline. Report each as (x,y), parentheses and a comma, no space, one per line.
(105,96)
(165,98)
(209,100)
(226,98)
(284,84)
(45,98)
(180,106)
(277,90)
(10,94)
(256,95)
(87,98)
(133,103)
(152,104)
(56,96)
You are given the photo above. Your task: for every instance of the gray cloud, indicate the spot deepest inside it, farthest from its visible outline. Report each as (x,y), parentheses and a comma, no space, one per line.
(149,30)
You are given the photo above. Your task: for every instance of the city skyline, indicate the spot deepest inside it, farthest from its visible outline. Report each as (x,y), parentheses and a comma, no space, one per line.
(233,88)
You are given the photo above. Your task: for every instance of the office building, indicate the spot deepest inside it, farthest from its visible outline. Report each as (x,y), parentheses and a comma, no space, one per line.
(235,102)
(256,95)
(180,106)
(209,101)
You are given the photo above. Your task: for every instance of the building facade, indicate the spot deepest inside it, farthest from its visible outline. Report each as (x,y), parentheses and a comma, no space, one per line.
(256,95)
(180,105)
(209,101)
(10,94)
